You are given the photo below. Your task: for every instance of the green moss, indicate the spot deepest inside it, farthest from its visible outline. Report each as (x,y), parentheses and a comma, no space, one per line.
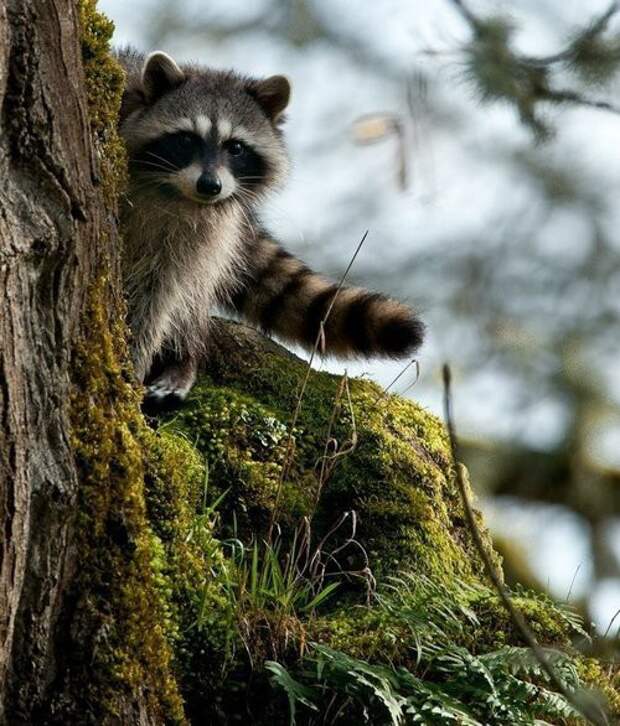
(198,618)
(471,618)
(121,600)
(123,613)
(605,680)
(147,557)
(104,89)
(366,633)
(380,634)
(398,480)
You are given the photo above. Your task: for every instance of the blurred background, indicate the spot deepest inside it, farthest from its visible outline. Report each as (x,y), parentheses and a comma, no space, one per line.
(479,145)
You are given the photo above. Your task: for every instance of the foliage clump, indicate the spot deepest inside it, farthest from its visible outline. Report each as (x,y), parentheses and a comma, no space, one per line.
(432,641)
(415,658)
(499,72)
(398,480)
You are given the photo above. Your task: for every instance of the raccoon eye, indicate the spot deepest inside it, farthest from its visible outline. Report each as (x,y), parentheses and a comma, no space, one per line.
(186,138)
(235,147)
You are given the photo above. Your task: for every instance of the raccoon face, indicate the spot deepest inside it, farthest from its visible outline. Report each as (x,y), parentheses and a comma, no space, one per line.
(203,168)
(205,136)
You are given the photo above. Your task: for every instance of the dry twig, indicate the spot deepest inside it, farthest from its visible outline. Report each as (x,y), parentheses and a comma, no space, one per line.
(318,345)
(589,711)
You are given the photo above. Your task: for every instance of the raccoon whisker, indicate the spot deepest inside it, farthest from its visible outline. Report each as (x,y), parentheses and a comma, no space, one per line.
(240,192)
(161,158)
(245,202)
(250,196)
(145,162)
(145,184)
(154,164)
(247,220)
(145,173)
(248,204)
(150,176)
(247,194)
(248,189)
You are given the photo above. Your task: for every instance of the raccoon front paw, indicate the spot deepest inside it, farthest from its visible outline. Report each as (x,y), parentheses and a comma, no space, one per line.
(164,395)
(167,387)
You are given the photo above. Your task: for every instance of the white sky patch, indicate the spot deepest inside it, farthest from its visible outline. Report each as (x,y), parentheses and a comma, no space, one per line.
(605,603)
(555,539)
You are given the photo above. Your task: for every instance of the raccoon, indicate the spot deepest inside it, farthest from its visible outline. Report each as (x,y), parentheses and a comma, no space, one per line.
(205,147)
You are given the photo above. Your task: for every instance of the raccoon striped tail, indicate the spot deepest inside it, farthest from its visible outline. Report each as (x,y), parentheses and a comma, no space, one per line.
(283,296)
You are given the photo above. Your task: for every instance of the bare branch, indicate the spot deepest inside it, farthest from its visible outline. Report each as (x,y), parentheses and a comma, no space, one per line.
(577,99)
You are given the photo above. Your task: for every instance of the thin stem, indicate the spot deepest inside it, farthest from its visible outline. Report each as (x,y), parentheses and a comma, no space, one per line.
(588,711)
(467,14)
(320,342)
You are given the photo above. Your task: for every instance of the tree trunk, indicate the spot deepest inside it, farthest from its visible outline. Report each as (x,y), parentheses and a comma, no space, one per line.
(57,237)
(50,220)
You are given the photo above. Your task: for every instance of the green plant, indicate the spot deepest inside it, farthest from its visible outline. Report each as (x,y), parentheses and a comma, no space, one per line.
(273,589)
(442,680)
(204,524)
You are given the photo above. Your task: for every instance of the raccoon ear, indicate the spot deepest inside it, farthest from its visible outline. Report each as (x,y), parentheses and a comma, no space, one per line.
(273,95)
(160,74)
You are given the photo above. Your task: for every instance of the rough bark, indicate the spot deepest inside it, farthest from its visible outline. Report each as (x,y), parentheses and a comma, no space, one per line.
(55,231)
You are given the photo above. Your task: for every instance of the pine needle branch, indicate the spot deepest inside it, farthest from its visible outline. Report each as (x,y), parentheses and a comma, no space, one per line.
(577,99)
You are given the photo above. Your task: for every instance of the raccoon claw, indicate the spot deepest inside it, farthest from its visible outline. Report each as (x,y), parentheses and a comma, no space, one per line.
(169,389)
(161,397)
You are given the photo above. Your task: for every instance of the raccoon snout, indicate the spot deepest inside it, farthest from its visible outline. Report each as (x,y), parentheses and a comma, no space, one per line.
(208,185)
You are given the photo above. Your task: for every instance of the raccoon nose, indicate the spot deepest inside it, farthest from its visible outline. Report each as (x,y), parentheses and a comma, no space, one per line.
(208,186)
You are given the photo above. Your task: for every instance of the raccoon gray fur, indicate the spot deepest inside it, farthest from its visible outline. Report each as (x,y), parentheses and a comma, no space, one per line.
(204,148)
